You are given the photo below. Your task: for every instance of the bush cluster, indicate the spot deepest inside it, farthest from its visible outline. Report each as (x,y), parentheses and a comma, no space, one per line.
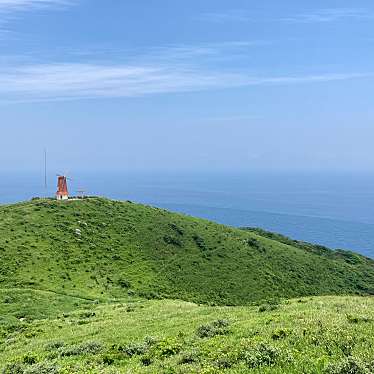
(136,349)
(350,365)
(261,355)
(219,327)
(88,348)
(36,368)
(269,305)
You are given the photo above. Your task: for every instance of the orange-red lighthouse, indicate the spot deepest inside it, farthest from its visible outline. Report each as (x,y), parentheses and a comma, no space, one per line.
(62,188)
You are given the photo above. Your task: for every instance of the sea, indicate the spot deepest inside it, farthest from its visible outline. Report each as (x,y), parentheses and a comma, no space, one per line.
(335,210)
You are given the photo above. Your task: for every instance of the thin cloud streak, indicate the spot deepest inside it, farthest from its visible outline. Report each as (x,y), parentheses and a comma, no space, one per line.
(316,16)
(11,9)
(8,6)
(234,15)
(330,15)
(77,81)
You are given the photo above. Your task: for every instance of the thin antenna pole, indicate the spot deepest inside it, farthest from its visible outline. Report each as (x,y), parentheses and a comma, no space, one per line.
(45,169)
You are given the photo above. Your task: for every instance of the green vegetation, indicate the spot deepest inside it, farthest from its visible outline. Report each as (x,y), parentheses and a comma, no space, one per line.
(99,249)
(348,256)
(310,335)
(91,286)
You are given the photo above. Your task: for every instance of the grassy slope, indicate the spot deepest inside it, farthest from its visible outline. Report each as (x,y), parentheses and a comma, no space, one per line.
(129,249)
(310,335)
(72,302)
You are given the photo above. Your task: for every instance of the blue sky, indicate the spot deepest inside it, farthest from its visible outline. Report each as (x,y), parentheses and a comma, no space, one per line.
(187,85)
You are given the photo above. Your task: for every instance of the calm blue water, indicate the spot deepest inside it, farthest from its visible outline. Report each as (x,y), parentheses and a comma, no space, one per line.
(334,210)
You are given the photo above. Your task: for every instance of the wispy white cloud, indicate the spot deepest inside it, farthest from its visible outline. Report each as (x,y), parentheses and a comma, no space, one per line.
(7,6)
(232,118)
(330,15)
(314,16)
(171,69)
(77,80)
(205,53)
(67,81)
(233,15)
(11,9)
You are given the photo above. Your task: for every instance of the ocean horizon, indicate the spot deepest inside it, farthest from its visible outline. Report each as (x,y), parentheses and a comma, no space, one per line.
(331,210)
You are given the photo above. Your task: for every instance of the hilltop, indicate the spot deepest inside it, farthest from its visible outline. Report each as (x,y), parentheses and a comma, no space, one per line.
(100,249)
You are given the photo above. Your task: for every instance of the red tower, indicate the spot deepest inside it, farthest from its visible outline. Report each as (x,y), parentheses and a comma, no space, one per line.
(62,188)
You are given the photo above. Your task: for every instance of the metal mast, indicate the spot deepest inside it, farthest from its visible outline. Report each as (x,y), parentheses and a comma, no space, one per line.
(45,168)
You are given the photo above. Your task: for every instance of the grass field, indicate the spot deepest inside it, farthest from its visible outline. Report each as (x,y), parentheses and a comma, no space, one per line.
(308,335)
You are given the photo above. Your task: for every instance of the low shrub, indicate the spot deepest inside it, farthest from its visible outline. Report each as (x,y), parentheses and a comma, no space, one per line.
(261,355)
(146,361)
(223,363)
(88,348)
(190,357)
(42,368)
(13,368)
(133,349)
(177,229)
(29,359)
(219,327)
(172,240)
(150,295)
(253,243)
(346,344)
(108,360)
(124,283)
(358,319)
(167,347)
(51,346)
(199,241)
(130,309)
(8,300)
(269,305)
(87,314)
(350,365)
(136,349)
(34,368)
(279,334)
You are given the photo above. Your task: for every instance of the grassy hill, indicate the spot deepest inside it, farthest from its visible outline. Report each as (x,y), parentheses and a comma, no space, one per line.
(100,249)
(79,279)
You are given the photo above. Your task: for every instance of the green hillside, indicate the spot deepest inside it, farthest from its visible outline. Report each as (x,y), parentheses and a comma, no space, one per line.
(100,249)
(78,281)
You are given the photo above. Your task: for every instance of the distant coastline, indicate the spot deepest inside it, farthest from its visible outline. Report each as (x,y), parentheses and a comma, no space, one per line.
(335,211)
